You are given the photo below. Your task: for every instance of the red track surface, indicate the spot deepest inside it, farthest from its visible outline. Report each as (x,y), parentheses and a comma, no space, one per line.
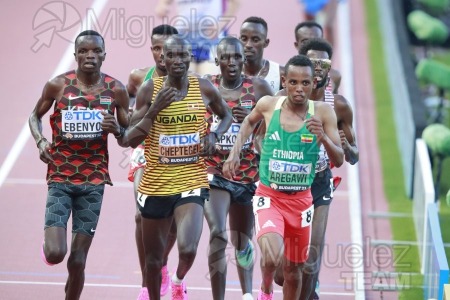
(112,270)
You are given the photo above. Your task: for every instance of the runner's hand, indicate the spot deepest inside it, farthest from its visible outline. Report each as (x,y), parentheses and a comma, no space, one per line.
(314,125)
(345,144)
(164,98)
(239,113)
(230,166)
(45,151)
(208,145)
(109,123)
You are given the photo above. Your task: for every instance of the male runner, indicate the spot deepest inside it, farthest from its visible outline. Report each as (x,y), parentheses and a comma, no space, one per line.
(137,160)
(320,52)
(232,196)
(170,116)
(202,23)
(77,157)
(253,35)
(309,30)
(282,202)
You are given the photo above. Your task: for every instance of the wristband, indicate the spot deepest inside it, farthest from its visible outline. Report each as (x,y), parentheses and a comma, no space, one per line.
(40,140)
(121,133)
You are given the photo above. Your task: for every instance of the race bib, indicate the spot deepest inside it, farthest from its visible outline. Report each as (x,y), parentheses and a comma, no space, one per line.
(179,149)
(81,124)
(307,216)
(289,176)
(191,193)
(228,139)
(260,202)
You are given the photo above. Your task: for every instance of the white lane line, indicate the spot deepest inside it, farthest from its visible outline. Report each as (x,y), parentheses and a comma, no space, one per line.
(24,135)
(344,33)
(135,286)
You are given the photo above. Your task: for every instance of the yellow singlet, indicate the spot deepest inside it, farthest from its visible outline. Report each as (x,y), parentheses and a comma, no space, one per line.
(173,144)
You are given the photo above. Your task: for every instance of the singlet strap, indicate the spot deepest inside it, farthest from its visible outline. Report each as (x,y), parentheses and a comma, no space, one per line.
(280,102)
(311,107)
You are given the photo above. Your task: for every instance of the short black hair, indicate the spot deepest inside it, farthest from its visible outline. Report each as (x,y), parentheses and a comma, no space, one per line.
(299,61)
(257,20)
(88,33)
(316,44)
(230,40)
(164,29)
(307,24)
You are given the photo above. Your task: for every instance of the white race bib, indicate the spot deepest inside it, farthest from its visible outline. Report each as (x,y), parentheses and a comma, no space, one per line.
(191,193)
(307,216)
(260,202)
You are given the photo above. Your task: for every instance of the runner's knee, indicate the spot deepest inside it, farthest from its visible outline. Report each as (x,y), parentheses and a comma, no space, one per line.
(77,261)
(153,266)
(188,252)
(55,255)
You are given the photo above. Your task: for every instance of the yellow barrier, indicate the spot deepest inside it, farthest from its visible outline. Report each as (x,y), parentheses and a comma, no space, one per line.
(446,291)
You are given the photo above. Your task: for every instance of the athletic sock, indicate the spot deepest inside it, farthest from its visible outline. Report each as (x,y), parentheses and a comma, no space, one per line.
(176,280)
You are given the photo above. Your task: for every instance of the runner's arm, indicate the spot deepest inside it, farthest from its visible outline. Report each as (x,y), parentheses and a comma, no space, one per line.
(52,90)
(146,111)
(346,131)
(247,127)
(324,125)
(331,141)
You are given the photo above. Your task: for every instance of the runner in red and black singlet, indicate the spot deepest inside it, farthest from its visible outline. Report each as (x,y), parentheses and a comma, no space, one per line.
(234,195)
(80,146)
(85,101)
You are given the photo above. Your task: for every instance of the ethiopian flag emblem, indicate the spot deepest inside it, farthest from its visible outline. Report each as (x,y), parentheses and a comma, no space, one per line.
(307,138)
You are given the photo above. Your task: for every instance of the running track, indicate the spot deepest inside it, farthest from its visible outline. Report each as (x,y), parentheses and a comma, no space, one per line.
(112,271)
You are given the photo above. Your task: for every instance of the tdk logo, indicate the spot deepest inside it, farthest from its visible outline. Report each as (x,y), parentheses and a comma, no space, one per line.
(179,140)
(84,115)
(286,167)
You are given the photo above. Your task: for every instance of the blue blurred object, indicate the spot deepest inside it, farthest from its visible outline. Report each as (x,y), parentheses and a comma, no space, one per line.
(312,7)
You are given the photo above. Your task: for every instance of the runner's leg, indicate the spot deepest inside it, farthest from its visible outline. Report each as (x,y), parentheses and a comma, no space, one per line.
(216,211)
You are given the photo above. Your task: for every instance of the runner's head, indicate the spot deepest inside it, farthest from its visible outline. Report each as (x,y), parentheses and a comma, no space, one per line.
(159,36)
(230,58)
(305,31)
(89,51)
(177,55)
(298,80)
(320,53)
(253,35)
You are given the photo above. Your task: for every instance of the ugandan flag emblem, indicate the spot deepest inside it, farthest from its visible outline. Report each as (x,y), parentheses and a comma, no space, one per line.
(306,138)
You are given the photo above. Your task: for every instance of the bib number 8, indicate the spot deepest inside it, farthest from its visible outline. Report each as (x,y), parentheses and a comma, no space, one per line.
(260,202)
(307,216)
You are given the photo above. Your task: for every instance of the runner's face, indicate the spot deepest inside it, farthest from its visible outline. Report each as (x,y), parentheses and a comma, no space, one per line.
(157,47)
(304,34)
(298,83)
(177,57)
(230,59)
(89,53)
(254,39)
(322,65)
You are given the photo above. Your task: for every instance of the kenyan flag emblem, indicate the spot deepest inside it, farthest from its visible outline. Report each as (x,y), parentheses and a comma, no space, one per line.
(306,138)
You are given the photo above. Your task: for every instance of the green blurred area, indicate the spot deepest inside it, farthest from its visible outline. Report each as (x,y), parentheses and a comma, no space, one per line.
(402,228)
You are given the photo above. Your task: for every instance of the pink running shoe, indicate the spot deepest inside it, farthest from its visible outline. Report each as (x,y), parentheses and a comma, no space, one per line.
(264,296)
(179,291)
(143,295)
(44,259)
(165,281)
